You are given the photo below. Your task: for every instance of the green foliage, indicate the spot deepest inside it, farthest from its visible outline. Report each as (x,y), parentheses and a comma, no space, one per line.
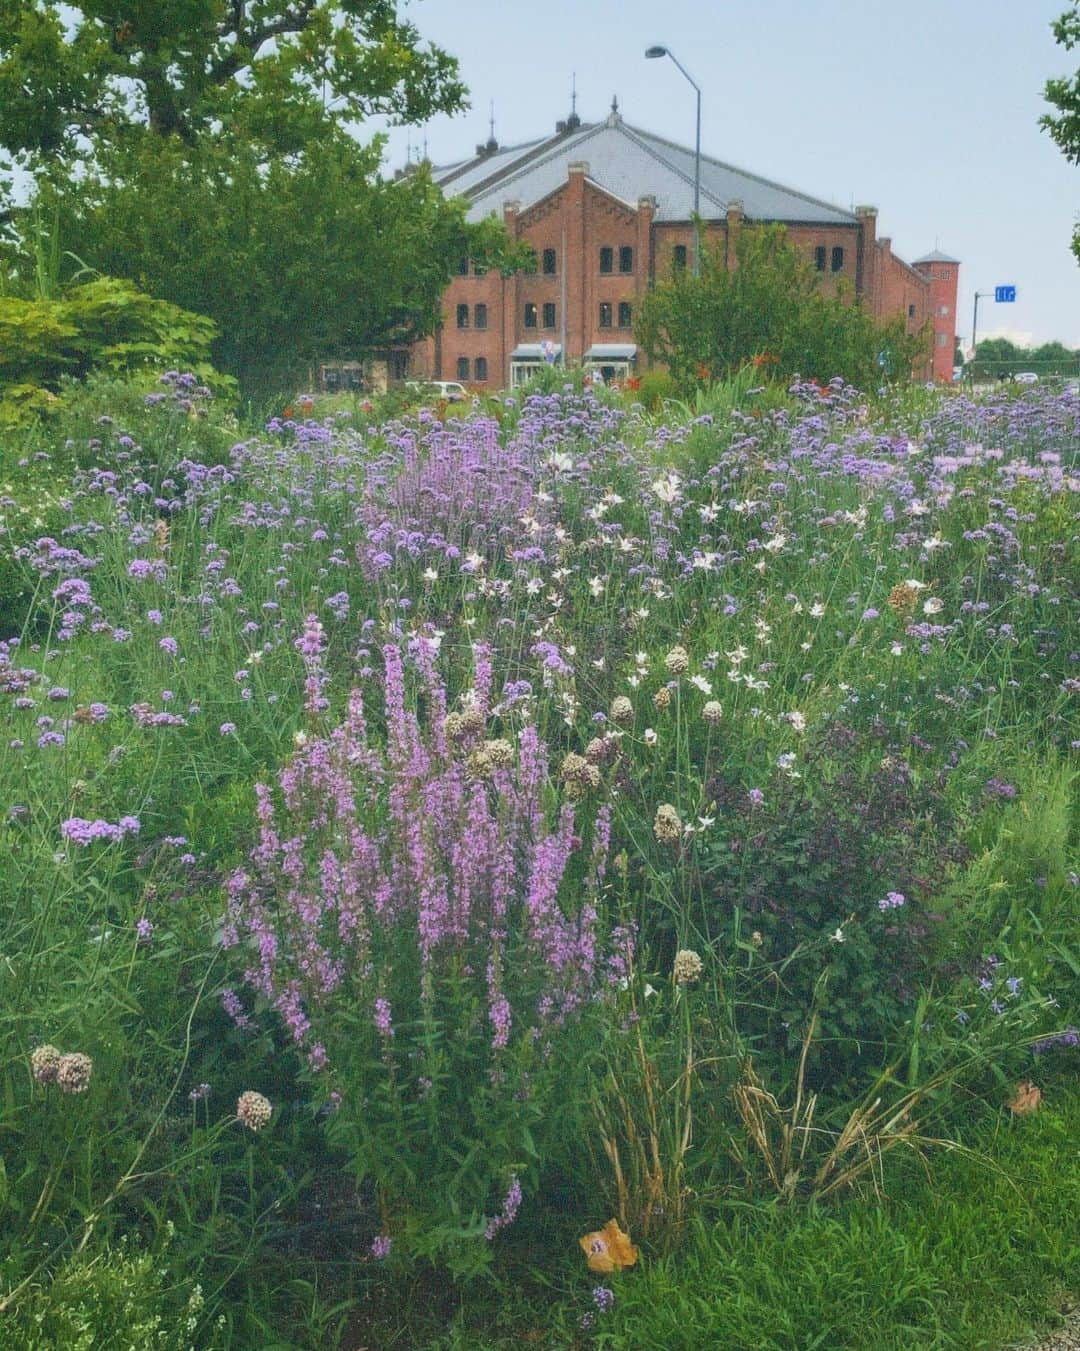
(1064,94)
(276,73)
(104,325)
(997,356)
(305,257)
(121,1297)
(769,309)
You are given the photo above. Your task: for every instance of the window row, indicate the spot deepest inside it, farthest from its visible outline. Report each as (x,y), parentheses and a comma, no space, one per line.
(821,254)
(479,316)
(479,368)
(549,261)
(546,316)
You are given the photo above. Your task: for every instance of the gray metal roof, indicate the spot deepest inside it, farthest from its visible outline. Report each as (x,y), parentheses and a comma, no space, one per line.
(936,257)
(630,163)
(463,177)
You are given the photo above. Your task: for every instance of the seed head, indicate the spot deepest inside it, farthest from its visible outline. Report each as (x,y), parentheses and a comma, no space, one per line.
(677,661)
(622,710)
(73,1072)
(713,711)
(667,827)
(578,775)
(253,1110)
(662,698)
(44,1063)
(687,967)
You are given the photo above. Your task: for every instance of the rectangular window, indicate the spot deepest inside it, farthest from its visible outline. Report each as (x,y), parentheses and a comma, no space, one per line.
(911,311)
(549,314)
(819,257)
(626,259)
(607,259)
(838,259)
(463,316)
(549,262)
(941,339)
(625,314)
(678,258)
(943,310)
(463,368)
(480,368)
(463,267)
(605,314)
(530,314)
(480,316)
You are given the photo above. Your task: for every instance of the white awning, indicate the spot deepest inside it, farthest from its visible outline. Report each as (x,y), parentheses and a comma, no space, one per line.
(612,351)
(537,351)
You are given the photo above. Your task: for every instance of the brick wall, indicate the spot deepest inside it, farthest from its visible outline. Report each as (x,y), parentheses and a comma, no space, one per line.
(580,218)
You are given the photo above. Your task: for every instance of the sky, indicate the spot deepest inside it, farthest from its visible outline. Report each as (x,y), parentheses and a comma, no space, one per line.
(926,109)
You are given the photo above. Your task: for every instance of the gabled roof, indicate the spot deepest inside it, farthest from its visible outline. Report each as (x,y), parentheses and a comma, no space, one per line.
(936,257)
(629,163)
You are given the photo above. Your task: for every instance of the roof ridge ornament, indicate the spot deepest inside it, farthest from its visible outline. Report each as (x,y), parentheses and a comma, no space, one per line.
(613,117)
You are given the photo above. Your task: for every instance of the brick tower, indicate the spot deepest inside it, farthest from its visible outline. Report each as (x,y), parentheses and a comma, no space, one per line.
(943,274)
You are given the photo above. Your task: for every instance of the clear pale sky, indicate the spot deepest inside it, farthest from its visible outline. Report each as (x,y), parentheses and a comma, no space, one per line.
(926,109)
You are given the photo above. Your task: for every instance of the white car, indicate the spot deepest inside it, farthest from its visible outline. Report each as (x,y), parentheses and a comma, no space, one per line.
(1026,378)
(453,391)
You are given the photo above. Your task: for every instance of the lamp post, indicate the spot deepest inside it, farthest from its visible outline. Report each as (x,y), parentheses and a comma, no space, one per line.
(652,53)
(979,295)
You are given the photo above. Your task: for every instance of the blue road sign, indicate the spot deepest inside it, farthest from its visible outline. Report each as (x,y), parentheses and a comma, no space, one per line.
(1003,294)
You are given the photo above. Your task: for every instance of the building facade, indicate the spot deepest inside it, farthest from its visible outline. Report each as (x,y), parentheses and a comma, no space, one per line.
(608,210)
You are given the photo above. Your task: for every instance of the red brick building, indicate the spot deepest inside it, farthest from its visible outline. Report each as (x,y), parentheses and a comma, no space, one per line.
(607,209)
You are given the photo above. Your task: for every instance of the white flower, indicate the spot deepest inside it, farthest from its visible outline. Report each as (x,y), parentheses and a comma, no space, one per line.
(776,543)
(817,610)
(709,514)
(837,936)
(666,488)
(914,585)
(699,682)
(897,649)
(649,737)
(649,990)
(596,586)
(560,462)
(933,606)
(431,574)
(796,721)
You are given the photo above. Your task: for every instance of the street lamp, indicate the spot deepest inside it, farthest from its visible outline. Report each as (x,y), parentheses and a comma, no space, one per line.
(652,53)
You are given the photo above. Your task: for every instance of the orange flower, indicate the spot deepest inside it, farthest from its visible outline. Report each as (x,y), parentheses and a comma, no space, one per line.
(288,411)
(765,359)
(608,1249)
(702,371)
(1026,1098)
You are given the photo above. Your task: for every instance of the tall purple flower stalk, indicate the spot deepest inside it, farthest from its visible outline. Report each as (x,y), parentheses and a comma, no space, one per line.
(380,870)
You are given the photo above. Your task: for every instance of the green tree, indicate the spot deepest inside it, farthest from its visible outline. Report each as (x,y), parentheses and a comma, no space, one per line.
(1064,94)
(770,308)
(295,258)
(277,72)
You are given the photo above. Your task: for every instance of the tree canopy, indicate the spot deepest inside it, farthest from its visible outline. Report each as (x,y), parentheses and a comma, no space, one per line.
(271,71)
(1064,94)
(770,307)
(301,257)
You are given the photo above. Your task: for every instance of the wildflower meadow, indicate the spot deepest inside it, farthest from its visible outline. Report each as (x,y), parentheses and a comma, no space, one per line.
(557,872)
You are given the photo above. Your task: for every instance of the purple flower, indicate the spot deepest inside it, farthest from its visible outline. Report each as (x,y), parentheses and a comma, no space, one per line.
(893,900)
(383,1022)
(603,1298)
(380,1247)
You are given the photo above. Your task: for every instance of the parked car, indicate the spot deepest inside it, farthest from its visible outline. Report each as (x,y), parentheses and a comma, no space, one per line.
(450,390)
(1026,378)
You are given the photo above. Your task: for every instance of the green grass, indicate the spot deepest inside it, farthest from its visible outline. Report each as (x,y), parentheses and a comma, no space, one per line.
(970,1252)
